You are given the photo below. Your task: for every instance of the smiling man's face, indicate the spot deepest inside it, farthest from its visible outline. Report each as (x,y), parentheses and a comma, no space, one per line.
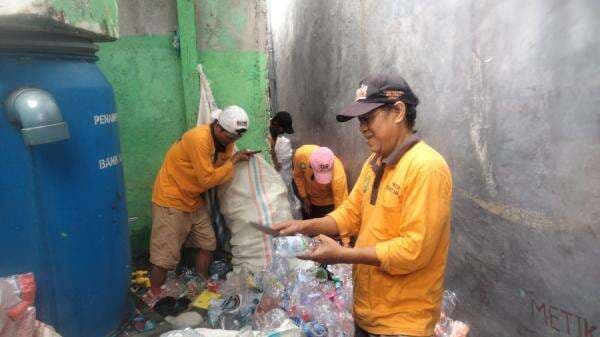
(380,129)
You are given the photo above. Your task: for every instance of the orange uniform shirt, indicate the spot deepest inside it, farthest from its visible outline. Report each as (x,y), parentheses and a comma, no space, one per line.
(407,219)
(321,195)
(190,168)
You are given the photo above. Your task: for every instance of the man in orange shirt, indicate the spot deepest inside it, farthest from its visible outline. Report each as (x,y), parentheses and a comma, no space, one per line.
(320,180)
(399,209)
(203,158)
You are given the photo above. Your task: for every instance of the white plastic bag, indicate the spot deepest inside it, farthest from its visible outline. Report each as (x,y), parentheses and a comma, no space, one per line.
(207,101)
(256,194)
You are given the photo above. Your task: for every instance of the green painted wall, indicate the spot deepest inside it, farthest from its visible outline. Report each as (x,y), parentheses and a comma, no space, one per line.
(239,77)
(145,73)
(186,17)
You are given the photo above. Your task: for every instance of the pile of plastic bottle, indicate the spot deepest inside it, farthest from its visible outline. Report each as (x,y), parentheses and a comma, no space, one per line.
(17,308)
(313,301)
(446,326)
(317,299)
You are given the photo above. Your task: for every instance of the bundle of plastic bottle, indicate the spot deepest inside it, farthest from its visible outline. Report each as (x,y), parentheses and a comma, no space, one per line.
(17,310)
(318,300)
(446,326)
(239,299)
(183,284)
(292,246)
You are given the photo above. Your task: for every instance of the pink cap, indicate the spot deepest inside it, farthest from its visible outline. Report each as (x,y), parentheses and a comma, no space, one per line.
(321,162)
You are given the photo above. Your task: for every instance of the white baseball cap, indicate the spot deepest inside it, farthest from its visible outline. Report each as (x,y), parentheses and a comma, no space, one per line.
(234,119)
(215,115)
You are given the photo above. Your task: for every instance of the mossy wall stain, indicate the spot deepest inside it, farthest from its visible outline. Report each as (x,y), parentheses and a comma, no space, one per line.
(100,16)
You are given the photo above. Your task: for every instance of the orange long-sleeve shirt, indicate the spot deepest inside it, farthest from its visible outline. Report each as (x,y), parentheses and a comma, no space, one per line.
(321,195)
(407,220)
(190,168)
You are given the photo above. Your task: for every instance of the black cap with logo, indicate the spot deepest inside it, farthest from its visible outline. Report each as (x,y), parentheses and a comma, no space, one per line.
(376,91)
(284,119)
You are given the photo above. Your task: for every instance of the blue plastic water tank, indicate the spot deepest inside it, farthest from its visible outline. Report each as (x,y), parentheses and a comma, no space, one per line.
(62,204)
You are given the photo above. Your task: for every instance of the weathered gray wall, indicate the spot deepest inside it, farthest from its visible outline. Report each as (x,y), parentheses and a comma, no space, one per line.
(147,17)
(232,25)
(510,93)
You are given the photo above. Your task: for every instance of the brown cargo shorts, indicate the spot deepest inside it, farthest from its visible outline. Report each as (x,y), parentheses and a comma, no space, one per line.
(172,228)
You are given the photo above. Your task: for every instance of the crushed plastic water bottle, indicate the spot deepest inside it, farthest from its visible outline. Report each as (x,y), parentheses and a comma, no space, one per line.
(449,301)
(272,319)
(314,329)
(296,245)
(446,326)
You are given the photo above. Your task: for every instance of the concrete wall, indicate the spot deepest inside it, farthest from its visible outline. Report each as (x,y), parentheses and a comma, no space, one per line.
(509,95)
(96,20)
(146,73)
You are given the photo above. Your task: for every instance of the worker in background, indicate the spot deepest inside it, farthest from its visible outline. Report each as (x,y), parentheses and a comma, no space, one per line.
(203,158)
(281,150)
(320,180)
(399,209)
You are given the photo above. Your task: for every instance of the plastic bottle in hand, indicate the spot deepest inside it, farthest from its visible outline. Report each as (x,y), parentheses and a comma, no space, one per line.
(291,246)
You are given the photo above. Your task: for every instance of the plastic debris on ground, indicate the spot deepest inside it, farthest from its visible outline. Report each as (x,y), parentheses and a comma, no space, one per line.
(185,284)
(174,304)
(447,327)
(140,323)
(44,330)
(183,333)
(140,278)
(185,320)
(177,292)
(17,308)
(170,306)
(280,301)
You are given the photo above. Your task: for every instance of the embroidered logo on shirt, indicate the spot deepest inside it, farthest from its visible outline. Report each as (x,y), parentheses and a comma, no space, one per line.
(394,188)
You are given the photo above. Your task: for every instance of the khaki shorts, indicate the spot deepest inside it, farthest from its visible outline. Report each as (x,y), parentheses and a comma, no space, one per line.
(172,228)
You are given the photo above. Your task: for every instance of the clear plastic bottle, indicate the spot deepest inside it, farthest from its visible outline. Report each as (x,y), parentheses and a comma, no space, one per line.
(292,246)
